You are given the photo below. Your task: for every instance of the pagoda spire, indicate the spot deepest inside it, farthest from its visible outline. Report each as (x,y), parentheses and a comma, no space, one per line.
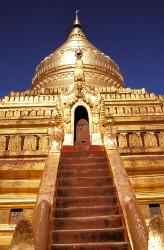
(77,21)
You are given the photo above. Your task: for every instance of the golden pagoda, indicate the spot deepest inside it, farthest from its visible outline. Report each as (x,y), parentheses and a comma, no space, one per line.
(78,106)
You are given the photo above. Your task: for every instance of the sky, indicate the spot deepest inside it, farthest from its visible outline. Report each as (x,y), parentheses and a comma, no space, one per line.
(130,32)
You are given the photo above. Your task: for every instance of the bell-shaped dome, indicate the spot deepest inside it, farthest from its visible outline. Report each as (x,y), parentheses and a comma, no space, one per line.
(57,69)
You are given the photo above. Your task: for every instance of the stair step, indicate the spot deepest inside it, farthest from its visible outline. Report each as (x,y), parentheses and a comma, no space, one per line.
(85,201)
(84,173)
(85,181)
(83,166)
(88,235)
(85,211)
(85,191)
(112,221)
(83,159)
(90,154)
(91,246)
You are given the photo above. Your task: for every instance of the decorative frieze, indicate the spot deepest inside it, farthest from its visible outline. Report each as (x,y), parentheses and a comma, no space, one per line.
(140,140)
(25,113)
(24,142)
(134,110)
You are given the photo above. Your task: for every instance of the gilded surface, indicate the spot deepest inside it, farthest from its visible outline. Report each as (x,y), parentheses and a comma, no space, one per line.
(156,233)
(43,143)
(122,140)
(161,139)
(2,142)
(23,236)
(30,143)
(59,66)
(150,140)
(14,143)
(135,140)
(34,120)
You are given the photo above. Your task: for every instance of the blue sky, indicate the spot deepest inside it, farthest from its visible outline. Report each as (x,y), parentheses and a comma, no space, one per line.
(130,32)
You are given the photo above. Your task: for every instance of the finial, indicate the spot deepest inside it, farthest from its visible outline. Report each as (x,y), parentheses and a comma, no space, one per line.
(77,21)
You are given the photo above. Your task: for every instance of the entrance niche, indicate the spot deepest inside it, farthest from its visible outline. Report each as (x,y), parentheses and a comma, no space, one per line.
(81,126)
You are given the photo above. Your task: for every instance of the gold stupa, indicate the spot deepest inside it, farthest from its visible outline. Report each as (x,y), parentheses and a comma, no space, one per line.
(38,124)
(57,69)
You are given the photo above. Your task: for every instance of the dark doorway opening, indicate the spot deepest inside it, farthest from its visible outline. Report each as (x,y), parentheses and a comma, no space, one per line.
(81,126)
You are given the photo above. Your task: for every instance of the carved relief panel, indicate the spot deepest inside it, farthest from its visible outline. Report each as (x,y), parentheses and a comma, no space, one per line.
(30,142)
(40,112)
(43,143)
(161,139)
(14,143)
(9,113)
(2,142)
(16,113)
(143,110)
(112,110)
(150,109)
(2,114)
(135,110)
(122,140)
(150,140)
(128,110)
(24,113)
(158,109)
(33,113)
(135,140)
(120,110)
(47,112)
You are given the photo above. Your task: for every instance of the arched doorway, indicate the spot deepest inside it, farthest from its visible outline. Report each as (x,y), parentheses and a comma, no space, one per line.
(81,126)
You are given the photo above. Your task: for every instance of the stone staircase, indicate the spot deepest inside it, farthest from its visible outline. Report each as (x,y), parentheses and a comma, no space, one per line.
(86,212)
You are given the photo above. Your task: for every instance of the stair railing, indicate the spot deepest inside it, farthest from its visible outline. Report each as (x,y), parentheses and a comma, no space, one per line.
(45,198)
(136,227)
